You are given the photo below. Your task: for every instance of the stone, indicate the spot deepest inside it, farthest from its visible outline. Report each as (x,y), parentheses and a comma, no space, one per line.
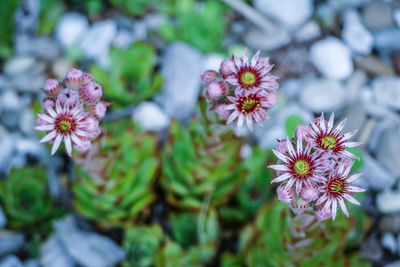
(154,21)
(182,66)
(96,42)
(322,95)
(71,29)
(308,31)
(292,88)
(212,62)
(18,65)
(377,15)
(53,253)
(396,16)
(390,223)
(388,151)
(27,122)
(387,91)
(61,66)
(11,261)
(291,13)
(355,35)
(129,32)
(10,242)
(389,241)
(332,58)
(45,48)
(393,264)
(3,219)
(87,248)
(377,176)
(151,117)
(29,83)
(388,202)
(261,40)
(7,148)
(371,249)
(31,263)
(355,84)
(345,4)
(388,39)
(374,66)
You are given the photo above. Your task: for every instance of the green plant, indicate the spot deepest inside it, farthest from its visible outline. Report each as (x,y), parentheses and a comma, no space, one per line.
(142,245)
(7,11)
(132,76)
(114,187)
(25,199)
(199,166)
(278,239)
(253,191)
(49,13)
(200,24)
(134,7)
(291,124)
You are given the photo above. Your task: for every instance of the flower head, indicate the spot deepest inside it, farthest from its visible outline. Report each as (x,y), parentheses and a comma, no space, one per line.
(52,87)
(250,107)
(63,124)
(216,89)
(74,78)
(90,93)
(249,76)
(300,166)
(325,138)
(337,188)
(68,97)
(285,194)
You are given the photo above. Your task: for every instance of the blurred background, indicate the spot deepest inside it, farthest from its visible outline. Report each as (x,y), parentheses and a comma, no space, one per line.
(166,185)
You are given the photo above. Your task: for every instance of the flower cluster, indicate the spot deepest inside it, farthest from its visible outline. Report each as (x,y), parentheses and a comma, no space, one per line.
(72,110)
(314,168)
(242,89)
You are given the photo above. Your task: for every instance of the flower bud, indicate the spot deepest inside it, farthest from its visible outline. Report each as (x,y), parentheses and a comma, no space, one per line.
(52,87)
(83,145)
(99,110)
(87,78)
(322,213)
(68,97)
(285,194)
(74,78)
(227,67)
(216,89)
(299,206)
(309,192)
(282,147)
(303,131)
(90,93)
(209,76)
(222,110)
(91,125)
(48,102)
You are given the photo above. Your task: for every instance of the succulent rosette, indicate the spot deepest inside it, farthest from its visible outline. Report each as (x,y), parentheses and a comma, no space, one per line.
(314,168)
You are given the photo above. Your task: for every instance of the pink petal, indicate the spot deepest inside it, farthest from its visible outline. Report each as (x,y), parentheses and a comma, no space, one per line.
(351,199)
(56,144)
(356,189)
(278,167)
(280,156)
(281,178)
(68,145)
(341,125)
(354,177)
(330,123)
(47,127)
(48,137)
(334,209)
(343,207)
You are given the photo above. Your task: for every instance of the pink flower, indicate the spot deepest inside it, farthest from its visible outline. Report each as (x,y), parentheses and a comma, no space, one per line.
(299,166)
(87,78)
(216,89)
(99,110)
(74,78)
(250,107)
(83,145)
(325,138)
(63,124)
(337,188)
(90,93)
(285,194)
(321,212)
(303,131)
(52,87)
(68,97)
(299,206)
(249,77)
(309,192)
(227,68)
(209,76)
(49,102)
(91,125)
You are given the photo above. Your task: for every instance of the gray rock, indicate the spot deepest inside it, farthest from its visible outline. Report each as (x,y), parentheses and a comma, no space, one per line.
(389,241)
(377,176)
(181,69)
(388,151)
(7,148)
(355,35)
(322,95)
(11,261)
(291,13)
(29,83)
(374,66)
(388,202)
(154,21)
(261,40)
(18,65)
(71,28)
(396,16)
(308,31)
(26,20)
(61,66)
(388,39)
(45,48)
(292,88)
(27,122)
(344,4)
(390,223)
(332,58)
(10,242)
(86,248)
(377,15)
(96,43)
(393,264)
(151,117)
(387,91)
(53,253)
(32,263)
(129,32)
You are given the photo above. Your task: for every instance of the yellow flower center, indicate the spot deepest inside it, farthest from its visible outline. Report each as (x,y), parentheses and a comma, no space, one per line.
(64,125)
(249,105)
(248,78)
(336,186)
(301,167)
(328,142)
